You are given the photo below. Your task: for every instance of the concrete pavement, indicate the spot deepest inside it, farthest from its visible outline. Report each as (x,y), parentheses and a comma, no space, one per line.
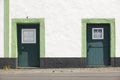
(59,70)
(110,73)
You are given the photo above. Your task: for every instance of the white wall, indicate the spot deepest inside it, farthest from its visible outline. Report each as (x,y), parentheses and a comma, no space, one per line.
(63,21)
(1,28)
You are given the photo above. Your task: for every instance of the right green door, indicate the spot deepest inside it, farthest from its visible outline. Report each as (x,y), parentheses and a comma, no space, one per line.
(98,44)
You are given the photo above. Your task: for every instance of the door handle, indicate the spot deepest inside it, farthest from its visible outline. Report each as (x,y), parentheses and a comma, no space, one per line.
(89,46)
(22,48)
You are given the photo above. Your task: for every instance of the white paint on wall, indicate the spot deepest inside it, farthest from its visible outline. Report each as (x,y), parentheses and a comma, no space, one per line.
(63,21)
(117,37)
(1,28)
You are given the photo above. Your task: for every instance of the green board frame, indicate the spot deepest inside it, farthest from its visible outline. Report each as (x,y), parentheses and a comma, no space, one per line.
(6,28)
(14,50)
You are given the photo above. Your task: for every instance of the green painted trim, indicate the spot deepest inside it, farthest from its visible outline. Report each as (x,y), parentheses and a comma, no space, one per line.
(99,20)
(6,28)
(14,50)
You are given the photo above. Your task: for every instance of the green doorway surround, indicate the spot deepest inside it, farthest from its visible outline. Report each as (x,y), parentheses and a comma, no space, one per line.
(99,20)
(14,50)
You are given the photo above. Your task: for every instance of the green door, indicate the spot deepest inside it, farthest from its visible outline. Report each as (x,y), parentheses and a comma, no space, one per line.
(98,44)
(28,45)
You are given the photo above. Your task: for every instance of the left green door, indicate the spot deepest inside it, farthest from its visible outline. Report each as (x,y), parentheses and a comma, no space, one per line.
(28,45)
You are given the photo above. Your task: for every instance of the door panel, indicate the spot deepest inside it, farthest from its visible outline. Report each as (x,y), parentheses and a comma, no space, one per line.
(23,59)
(98,44)
(92,59)
(28,45)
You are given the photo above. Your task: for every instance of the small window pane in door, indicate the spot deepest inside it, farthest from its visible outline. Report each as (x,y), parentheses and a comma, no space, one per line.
(28,35)
(97,33)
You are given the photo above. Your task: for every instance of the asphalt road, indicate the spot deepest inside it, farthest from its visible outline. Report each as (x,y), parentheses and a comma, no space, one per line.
(62,76)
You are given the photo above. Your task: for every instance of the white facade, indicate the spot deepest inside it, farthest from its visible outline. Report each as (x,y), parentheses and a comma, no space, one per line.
(1,28)
(63,22)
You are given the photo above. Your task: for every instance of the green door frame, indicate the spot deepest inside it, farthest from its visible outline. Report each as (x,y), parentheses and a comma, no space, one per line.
(99,20)
(14,49)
